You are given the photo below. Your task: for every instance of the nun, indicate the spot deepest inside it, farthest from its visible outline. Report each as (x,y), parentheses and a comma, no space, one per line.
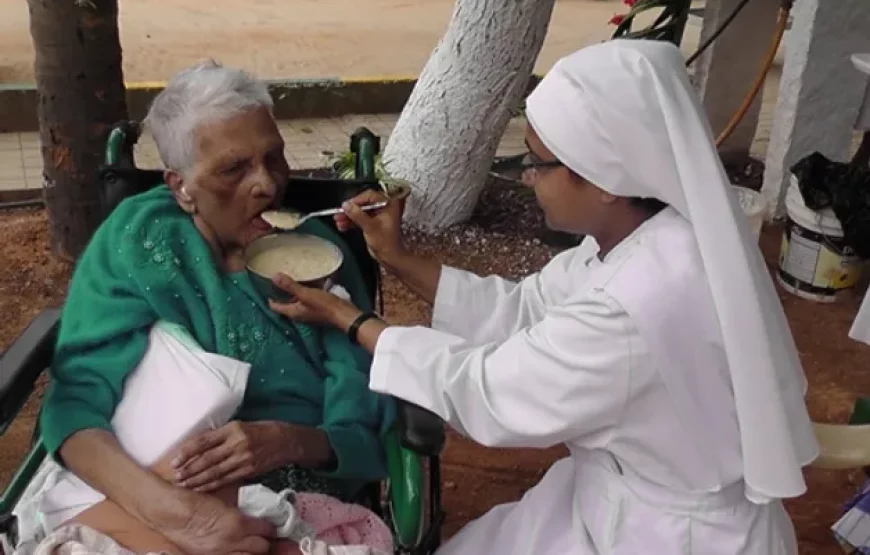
(657,351)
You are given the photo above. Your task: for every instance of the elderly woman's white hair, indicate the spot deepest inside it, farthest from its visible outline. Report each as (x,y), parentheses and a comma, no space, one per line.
(204,93)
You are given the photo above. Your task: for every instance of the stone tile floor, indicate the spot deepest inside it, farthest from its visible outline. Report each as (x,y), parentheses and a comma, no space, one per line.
(307,139)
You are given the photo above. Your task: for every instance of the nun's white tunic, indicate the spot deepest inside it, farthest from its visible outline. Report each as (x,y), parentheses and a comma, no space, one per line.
(560,358)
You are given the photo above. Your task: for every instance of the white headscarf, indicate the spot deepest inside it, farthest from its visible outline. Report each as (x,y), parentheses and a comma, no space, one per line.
(623,115)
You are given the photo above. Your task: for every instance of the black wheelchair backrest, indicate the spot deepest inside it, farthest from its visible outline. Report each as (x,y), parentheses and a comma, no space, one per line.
(116,184)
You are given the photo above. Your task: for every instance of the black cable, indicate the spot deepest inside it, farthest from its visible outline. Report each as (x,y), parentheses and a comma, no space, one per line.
(380,293)
(706,44)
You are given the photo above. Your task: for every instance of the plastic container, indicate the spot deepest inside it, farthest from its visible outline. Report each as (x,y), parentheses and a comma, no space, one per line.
(814,263)
(753,206)
(842,446)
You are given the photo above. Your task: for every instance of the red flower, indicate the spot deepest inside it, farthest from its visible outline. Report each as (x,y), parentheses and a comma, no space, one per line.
(617,19)
(629,3)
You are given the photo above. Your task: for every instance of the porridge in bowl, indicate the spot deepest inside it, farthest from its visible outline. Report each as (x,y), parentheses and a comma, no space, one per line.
(307,259)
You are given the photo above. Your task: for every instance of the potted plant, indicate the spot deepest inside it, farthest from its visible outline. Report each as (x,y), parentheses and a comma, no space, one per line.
(344,166)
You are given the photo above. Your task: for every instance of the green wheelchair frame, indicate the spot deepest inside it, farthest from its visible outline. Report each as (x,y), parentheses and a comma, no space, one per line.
(409,500)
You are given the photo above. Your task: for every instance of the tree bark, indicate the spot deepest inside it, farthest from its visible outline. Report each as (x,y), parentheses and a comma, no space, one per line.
(80,85)
(448,133)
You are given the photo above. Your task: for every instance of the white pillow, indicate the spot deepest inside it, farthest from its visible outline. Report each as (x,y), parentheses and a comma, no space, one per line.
(176,391)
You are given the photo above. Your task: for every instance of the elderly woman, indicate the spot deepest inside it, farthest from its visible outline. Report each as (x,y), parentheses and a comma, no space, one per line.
(174,254)
(657,350)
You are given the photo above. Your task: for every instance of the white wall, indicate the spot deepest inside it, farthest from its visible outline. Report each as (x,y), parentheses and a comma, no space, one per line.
(725,72)
(820,91)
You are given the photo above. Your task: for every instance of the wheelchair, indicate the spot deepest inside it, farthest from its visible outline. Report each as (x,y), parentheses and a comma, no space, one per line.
(409,500)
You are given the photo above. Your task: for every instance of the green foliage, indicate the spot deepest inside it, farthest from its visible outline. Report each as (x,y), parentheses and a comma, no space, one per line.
(344,163)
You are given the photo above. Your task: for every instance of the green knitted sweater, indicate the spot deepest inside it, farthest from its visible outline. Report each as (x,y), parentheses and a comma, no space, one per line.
(148,262)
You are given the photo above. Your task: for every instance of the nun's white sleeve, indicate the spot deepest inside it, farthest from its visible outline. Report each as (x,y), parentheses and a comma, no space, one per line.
(561,379)
(486,309)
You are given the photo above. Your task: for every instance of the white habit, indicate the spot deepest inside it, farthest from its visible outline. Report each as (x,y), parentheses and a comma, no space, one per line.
(667,368)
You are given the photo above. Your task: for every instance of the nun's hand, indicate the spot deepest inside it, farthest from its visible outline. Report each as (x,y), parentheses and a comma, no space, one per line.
(382,229)
(313,305)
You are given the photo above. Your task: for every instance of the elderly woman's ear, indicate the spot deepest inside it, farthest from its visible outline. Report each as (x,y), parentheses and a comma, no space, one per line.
(182,195)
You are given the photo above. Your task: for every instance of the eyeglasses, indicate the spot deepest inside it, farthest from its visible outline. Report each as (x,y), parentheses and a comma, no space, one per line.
(531,167)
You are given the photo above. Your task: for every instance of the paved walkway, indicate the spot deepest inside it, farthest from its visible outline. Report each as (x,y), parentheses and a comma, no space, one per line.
(579,22)
(277,39)
(307,140)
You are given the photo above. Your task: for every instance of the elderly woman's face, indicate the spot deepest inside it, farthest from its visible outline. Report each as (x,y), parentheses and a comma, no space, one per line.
(239,172)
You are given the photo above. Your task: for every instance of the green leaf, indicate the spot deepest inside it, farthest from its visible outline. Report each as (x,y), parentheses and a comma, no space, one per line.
(668,25)
(344,162)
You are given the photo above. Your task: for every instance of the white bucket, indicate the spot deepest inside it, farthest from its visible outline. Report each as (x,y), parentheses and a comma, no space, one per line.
(814,263)
(753,205)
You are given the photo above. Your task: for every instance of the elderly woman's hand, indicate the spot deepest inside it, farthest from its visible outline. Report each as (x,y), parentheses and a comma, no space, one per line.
(313,306)
(227,455)
(207,526)
(243,450)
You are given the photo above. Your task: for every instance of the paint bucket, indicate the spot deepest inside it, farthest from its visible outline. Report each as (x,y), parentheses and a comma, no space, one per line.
(752,204)
(814,262)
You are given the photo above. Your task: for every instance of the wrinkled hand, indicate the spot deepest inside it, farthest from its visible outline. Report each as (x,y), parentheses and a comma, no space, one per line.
(382,229)
(210,527)
(233,452)
(313,305)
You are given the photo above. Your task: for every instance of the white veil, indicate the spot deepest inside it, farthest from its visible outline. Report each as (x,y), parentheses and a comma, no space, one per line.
(623,115)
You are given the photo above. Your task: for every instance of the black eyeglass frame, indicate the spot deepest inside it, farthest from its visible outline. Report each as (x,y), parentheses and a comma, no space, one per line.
(528,163)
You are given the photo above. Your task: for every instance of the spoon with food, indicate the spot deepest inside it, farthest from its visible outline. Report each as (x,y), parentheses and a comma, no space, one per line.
(288,220)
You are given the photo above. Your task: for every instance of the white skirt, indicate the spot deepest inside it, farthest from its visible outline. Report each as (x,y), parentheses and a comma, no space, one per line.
(584,505)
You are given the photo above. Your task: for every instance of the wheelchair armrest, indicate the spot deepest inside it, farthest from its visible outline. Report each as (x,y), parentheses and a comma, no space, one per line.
(420,430)
(23,362)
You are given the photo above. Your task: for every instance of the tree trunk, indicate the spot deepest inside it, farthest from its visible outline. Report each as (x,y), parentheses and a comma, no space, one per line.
(448,133)
(80,84)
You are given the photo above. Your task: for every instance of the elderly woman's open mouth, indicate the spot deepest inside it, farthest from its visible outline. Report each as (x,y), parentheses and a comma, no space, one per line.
(258,223)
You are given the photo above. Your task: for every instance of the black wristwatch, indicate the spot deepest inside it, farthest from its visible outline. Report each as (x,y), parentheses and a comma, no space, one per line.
(353,330)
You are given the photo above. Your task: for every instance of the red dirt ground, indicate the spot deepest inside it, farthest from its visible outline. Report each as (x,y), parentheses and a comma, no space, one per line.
(475,478)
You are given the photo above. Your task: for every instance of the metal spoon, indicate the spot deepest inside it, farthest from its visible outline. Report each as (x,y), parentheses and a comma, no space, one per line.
(287,220)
